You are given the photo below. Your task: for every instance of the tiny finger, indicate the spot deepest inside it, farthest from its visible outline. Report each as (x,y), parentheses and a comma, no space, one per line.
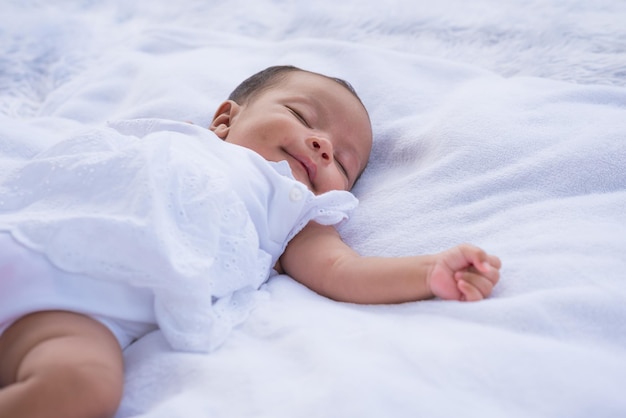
(490,273)
(470,293)
(494,261)
(481,283)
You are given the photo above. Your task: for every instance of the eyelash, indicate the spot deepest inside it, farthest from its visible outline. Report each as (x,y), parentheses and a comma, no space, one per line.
(297,114)
(342,168)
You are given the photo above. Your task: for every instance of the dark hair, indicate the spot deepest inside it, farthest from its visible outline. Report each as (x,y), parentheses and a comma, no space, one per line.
(269,77)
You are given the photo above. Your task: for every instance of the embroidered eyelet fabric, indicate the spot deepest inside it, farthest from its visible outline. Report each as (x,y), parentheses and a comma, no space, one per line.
(166,206)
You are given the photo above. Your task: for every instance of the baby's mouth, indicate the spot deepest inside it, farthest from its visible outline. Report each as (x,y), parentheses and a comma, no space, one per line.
(308,167)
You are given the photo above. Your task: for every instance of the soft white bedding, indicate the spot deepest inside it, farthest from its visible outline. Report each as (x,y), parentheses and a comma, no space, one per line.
(498,123)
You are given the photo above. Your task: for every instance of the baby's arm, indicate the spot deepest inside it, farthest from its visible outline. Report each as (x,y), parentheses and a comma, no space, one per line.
(319,259)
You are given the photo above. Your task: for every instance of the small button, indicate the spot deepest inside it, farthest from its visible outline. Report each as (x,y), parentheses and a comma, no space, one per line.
(295,194)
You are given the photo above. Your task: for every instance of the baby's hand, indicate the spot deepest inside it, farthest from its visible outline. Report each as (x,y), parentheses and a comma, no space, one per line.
(464,273)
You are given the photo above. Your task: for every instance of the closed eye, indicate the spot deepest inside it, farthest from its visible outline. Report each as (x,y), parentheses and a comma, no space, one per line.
(299,116)
(342,168)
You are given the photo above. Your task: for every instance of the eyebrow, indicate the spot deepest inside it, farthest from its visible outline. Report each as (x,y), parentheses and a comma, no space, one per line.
(316,103)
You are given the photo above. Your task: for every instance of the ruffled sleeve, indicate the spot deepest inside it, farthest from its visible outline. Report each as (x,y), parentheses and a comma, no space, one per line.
(295,206)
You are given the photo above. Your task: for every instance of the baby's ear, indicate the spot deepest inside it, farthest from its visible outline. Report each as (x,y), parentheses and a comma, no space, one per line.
(223,118)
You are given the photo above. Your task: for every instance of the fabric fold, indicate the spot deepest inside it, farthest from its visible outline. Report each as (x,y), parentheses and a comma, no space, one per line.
(169,207)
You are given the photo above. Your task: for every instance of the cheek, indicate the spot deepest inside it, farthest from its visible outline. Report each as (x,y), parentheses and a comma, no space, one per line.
(252,136)
(270,133)
(335,180)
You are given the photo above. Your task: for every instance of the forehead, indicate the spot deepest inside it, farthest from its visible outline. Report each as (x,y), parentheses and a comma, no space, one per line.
(305,83)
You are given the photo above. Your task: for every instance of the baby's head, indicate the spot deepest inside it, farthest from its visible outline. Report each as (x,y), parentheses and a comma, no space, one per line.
(316,123)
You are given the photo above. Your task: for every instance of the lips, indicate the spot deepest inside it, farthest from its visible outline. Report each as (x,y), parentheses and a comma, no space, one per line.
(309,167)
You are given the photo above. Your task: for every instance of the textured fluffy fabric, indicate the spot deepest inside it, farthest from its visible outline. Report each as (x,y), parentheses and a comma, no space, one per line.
(497,123)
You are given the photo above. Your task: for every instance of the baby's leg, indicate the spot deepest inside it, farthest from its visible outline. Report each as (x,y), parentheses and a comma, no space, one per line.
(59,364)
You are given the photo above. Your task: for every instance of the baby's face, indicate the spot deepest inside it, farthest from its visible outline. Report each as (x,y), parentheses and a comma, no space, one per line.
(313,123)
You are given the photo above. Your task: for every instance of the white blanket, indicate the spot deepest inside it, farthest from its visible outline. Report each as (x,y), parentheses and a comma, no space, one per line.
(497,123)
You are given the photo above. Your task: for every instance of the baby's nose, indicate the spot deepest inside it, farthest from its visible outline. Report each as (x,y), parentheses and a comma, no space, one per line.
(323,147)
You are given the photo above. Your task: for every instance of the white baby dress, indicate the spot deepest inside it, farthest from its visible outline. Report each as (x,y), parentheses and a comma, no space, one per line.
(166,208)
